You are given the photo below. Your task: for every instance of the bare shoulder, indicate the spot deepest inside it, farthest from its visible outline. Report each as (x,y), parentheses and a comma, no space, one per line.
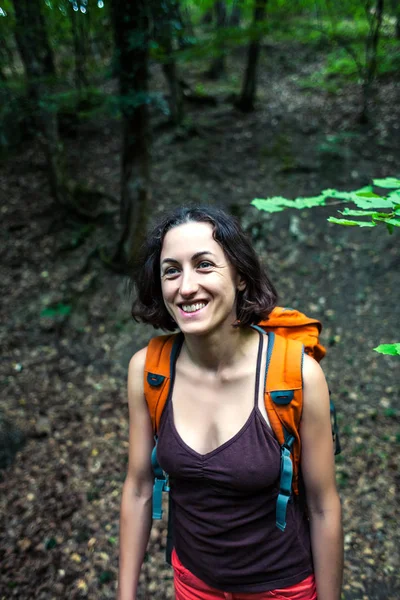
(135,375)
(137,362)
(312,372)
(316,393)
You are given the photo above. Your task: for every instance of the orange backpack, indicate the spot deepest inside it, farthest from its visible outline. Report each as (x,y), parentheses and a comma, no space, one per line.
(290,333)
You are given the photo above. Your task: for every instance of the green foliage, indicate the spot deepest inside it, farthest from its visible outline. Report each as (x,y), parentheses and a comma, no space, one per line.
(50,543)
(366,200)
(106,577)
(336,145)
(392,349)
(80,104)
(7,21)
(59,310)
(341,67)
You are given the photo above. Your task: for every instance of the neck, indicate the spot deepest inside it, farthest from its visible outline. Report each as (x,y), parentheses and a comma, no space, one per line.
(217,351)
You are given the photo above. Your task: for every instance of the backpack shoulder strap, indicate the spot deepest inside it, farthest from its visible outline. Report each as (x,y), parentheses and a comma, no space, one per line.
(161,354)
(160,360)
(284,404)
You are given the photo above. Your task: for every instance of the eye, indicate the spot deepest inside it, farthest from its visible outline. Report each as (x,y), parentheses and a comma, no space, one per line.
(171,272)
(205,264)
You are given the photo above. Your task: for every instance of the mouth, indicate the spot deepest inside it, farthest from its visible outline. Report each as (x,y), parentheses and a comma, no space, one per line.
(192,308)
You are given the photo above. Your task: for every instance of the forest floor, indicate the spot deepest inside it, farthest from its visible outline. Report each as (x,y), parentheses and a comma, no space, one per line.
(66,333)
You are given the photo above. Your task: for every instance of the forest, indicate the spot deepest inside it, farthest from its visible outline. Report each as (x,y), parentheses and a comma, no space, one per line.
(113,113)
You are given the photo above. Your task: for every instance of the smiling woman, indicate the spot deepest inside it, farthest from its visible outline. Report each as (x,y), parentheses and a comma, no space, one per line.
(199,275)
(199,294)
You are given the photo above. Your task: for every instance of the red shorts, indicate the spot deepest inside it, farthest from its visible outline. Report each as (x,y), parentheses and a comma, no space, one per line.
(190,587)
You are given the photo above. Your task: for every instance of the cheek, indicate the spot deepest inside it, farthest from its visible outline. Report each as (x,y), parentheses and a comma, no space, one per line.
(167,291)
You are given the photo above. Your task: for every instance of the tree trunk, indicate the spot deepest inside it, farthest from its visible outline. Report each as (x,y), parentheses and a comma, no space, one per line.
(175,91)
(131,30)
(7,57)
(217,68)
(31,36)
(396,12)
(236,13)
(78,24)
(185,19)
(35,52)
(247,98)
(371,59)
(164,16)
(208,18)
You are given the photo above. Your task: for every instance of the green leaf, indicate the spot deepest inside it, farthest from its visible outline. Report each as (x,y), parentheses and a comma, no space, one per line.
(310,202)
(366,188)
(367,194)
(60,310)
(330,193)
(349,223)
(266,205)
(277,200)
(50,543)
(358,213)
(106,577)
(277,203)
(391,221)
(368,203)
(394,196)
(392,349)
(390,183)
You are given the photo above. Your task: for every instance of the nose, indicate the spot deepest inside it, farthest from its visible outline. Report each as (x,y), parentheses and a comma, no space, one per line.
(189,285)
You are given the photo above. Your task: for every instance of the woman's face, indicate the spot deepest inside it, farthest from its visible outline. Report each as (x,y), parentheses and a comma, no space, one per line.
(199,285)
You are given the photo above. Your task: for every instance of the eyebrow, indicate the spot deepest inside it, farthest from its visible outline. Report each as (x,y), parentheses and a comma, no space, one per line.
(196,255)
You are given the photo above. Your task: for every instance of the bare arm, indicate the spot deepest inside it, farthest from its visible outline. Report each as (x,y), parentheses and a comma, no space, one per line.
(317,464)
(135,520)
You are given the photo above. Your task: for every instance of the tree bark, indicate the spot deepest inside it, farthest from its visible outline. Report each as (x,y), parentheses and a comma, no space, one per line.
(236,13)
(36,55)
(79,35)
(208,18)
(31,36)
(247,98)
(175,91)
(131,22)
(185,19)
(396,12)
(165,14)
(217,68)
(371,59)
(7,57)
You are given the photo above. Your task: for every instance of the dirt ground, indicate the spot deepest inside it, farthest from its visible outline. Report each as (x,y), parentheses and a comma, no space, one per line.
(66,333)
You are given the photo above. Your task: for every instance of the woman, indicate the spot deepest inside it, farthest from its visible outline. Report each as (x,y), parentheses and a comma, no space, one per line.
(199,273)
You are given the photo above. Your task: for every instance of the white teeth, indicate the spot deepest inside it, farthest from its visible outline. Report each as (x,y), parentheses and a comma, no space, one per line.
(193,307)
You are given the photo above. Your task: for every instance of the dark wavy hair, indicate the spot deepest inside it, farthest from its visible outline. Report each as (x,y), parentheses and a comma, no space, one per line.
(253,304)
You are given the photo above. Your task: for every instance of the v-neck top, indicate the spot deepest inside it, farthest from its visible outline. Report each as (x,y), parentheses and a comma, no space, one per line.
(224,503)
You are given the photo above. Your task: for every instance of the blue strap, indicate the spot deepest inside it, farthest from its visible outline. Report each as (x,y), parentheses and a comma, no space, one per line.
(157,470)
(285,485)
(160,484)
(158,488)
(335,429)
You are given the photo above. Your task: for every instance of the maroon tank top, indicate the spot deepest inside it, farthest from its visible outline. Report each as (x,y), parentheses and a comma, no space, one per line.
(223,508)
